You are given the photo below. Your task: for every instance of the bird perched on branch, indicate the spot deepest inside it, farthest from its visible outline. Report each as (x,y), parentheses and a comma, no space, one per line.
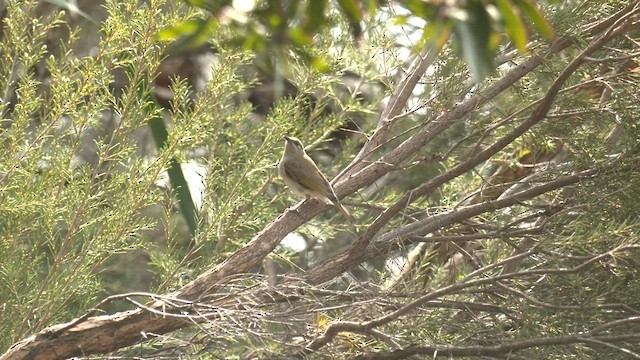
(302,176)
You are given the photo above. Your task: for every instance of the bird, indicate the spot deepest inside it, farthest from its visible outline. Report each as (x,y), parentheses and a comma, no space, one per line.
(301,174)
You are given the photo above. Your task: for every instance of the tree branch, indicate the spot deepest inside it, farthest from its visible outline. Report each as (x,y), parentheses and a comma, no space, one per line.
(105,333)
(361,327)
(496,350)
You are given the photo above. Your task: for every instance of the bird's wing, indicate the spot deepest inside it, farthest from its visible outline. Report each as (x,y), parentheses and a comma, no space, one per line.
(314,181)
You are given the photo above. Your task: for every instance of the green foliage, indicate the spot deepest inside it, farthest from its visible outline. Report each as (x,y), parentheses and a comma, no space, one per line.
(273,27)
(81,211)
(84,213)
(74,183)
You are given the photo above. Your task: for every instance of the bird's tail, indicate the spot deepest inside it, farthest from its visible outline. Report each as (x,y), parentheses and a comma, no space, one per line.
(330,198)
(344,211)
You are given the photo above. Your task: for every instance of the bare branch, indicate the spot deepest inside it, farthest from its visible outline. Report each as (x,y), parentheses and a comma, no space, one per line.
(360,327)
(496,350)
(104,333)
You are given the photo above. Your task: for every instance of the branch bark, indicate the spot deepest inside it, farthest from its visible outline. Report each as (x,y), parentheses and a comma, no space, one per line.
(105,333)
(363,327)
(497,350)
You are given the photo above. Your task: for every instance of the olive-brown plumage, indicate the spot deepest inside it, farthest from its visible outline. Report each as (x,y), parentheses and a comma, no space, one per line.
(302,176)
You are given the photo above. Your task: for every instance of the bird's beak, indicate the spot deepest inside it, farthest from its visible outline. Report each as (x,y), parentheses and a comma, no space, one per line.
(286,137)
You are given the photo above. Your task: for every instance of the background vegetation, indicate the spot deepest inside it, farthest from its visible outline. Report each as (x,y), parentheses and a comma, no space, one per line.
(496,210)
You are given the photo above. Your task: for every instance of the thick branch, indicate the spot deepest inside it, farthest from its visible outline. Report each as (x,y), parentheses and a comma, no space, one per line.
(496,350)
(422,137)
(362,327)
(396,103)
(397,238)
(106,333)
